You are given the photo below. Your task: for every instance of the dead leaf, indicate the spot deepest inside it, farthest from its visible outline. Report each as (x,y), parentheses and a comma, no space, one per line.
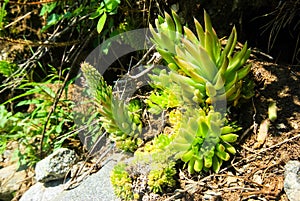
(262,133)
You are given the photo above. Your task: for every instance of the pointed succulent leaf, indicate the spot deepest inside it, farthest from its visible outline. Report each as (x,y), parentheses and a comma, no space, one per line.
(160,19)
(237,59)
(166,55)
(171,29)
(243,72)
(231,42)
(219,81)
(207,22)
(223,155)
(190,35)
(230,80)
(229,148)
(230,137)
(167,43)
(207,64)
(198,164)
(169,21)
(208,161)
(200,32)
(217,46)
(227,129)
(210,46)
(203,128)
(156,37)
(177,22)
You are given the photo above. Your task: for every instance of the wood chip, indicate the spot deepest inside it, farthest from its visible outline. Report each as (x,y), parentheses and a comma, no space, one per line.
(262,133)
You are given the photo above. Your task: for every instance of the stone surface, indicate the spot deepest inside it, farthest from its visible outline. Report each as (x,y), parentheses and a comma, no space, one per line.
(55,166)
(10,181)
(43,191)
(292,180)
(96,187)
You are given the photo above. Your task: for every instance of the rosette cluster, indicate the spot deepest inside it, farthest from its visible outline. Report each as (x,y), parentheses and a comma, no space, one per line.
(216,72)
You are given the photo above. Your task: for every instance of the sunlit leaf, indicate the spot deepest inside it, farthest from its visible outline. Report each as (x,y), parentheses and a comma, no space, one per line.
(101,22)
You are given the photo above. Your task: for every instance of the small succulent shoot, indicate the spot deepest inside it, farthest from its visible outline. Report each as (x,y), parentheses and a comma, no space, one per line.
(272,111)
(157,145)
(169,33)
(161,178)
(174,89)
(121,182)
(160,100)
(122,121)
(217,70)
(152,161)
(204,141)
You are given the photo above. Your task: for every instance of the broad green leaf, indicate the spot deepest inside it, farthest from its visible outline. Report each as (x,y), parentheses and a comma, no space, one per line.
(47,8)
(111,5)
(97,13)
(101,22)
(52,20)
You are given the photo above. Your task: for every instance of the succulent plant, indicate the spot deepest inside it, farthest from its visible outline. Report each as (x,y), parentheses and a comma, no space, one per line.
(201,60)
(160,100)
(161,178)
(121,120)
(204,141)
(121,182)
(182,89)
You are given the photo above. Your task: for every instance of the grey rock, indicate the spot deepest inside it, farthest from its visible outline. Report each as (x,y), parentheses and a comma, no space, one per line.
(292,180)
(43,191)
(55,166)
(10,181)
(97,187)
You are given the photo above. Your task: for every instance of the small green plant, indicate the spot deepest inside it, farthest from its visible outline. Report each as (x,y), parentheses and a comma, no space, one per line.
(3,14)
(204,141)
(8,124)
(33,102)
(157,173)
(160,100)
(171,91)
(122,183)
(7,68)
(120,120)
(161,178)
(107,7)
(218,72)
(53,12)
(26,127)
(155,147)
